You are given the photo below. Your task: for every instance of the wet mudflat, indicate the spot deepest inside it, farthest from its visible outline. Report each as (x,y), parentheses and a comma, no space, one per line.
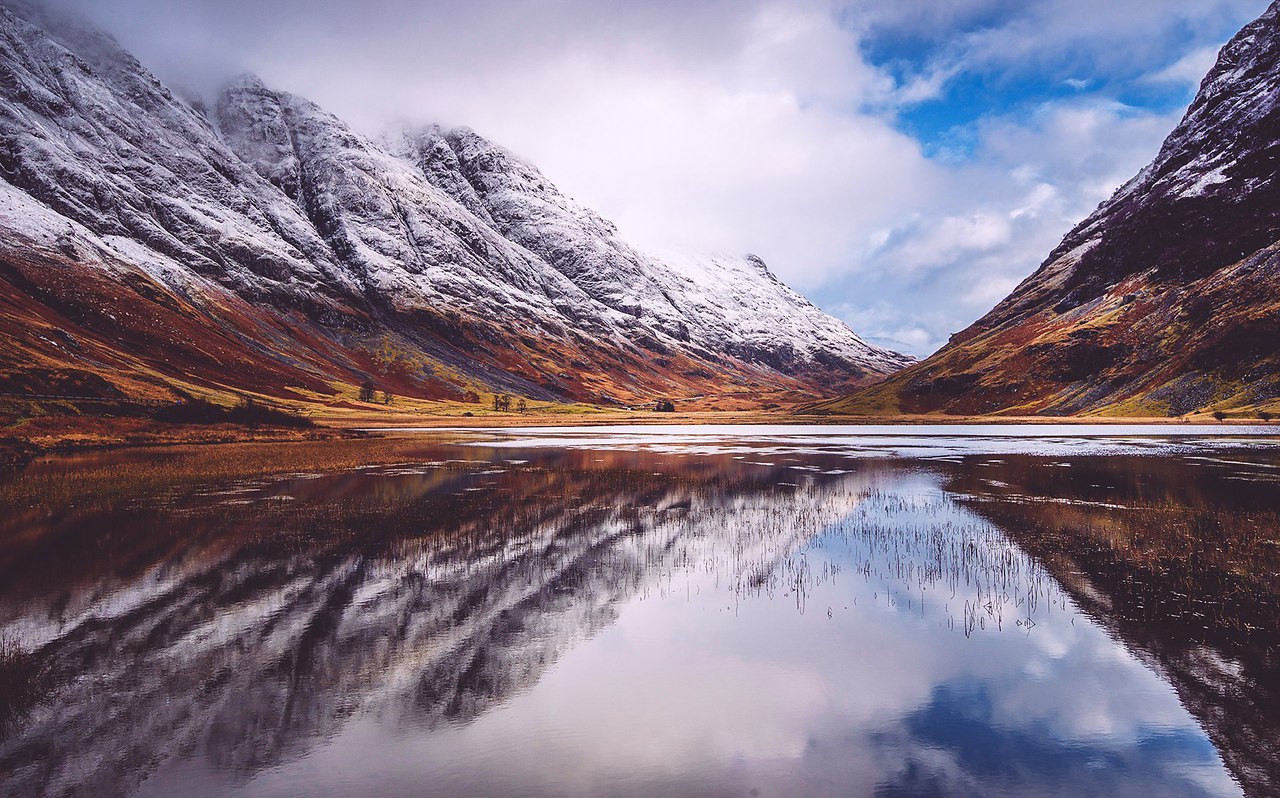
(636,612)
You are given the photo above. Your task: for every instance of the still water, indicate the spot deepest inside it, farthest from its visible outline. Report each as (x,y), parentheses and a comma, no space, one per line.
(641,611)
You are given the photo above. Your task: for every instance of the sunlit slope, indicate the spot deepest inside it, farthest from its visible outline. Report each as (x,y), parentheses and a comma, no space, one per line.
(1165,301)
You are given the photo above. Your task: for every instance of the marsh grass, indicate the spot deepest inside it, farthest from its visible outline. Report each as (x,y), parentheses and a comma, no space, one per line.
(64,481)
(917,551)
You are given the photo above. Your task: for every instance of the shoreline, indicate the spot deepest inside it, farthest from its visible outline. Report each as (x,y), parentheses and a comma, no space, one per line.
(16,448)
(391,423)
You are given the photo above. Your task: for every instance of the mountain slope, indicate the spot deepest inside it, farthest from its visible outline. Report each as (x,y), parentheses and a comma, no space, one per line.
(152,247)
(732,306)
(1166,300)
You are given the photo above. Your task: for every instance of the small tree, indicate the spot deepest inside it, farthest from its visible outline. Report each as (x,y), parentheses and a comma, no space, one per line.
(522,405)
(1219,415)
(367,391)
(387,398)
(502,402)
(1265,416)
(664,406)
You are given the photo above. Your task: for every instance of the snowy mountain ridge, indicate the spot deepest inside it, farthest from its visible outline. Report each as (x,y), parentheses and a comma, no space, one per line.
(437,246)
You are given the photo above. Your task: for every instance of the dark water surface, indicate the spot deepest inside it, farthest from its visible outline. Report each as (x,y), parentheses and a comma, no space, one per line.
(624,612)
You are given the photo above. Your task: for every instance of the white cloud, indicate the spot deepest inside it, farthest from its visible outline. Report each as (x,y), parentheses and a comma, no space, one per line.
(996,218)
(725,125)
(989,289)
(1190,69)
(913,328)
(1105,36)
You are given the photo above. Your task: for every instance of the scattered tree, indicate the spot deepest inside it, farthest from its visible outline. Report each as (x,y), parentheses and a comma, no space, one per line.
(664,406)
(387,398)
(522,405)
(367,391)
(502,402)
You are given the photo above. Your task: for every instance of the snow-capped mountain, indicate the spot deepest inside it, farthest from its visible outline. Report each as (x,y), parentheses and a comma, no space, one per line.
(456,607)
(1166,300)
(260,242)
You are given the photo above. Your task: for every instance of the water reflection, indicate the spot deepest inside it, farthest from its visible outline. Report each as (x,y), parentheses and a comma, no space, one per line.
(1180,560)
(463,620)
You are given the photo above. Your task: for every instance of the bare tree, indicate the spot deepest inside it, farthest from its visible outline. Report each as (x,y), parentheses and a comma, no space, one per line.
(367,391)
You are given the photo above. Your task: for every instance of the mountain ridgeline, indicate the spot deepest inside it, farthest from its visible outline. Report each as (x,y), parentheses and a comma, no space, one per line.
(152,246)
(1165,301)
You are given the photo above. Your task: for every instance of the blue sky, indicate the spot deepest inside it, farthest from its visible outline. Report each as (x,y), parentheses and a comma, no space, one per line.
(904,163)
(982,87)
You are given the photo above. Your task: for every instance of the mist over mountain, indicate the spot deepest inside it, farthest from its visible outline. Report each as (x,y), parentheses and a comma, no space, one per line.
(151,246)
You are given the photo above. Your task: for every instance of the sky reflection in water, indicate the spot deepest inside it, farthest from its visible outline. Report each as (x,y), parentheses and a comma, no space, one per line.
(548,619)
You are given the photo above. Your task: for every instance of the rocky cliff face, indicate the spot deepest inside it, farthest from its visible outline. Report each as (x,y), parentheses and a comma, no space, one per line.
(1166,300)
(309,255)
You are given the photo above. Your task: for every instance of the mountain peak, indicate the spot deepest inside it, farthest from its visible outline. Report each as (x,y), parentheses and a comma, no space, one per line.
(247,81)
(758,262)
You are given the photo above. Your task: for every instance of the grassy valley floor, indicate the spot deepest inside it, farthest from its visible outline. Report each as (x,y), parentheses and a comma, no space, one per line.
(29,429)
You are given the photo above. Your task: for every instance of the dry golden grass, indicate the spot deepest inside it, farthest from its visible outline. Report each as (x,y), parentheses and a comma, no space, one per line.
(25,431)
(149,470)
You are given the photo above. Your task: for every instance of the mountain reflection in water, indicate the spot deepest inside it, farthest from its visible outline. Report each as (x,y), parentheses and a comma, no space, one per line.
(465,620)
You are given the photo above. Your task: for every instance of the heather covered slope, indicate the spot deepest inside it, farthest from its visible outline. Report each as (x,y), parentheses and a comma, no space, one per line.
(154,246)
(1165,301)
